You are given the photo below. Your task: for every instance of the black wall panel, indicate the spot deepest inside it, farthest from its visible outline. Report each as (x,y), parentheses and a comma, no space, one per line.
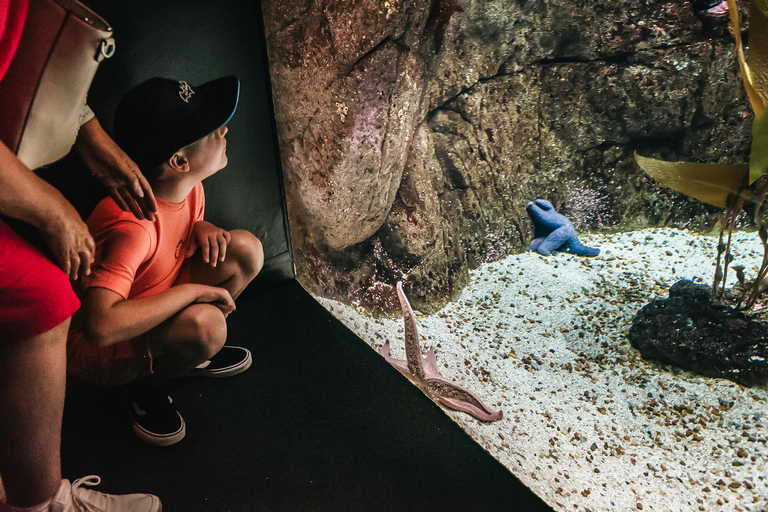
(197,41)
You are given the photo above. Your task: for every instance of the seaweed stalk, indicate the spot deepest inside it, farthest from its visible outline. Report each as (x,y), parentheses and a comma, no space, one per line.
(758,285)
(730,216)
(734,215)
(745,288)
(720,250)
(756,288)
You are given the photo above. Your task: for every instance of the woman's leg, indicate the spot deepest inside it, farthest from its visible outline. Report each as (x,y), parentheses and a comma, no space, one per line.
(32,386)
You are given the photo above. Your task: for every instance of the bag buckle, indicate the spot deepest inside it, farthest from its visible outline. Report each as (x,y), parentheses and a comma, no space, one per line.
(106,49)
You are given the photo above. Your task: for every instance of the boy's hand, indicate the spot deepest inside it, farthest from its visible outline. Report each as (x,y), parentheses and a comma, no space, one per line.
(211,240)
(219,297)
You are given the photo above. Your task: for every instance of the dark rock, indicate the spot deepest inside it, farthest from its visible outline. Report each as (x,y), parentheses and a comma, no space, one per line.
(690,291)
(689,331)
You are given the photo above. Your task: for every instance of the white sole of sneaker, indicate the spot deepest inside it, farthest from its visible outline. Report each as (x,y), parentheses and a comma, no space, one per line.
(225,372)
(161,440)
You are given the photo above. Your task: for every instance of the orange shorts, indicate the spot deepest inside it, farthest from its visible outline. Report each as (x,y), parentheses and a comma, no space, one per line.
(115,365)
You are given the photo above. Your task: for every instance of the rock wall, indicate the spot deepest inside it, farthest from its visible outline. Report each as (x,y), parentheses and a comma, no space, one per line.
(413,133)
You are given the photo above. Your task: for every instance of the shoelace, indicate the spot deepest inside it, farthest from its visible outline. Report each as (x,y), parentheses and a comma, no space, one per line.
(81,505)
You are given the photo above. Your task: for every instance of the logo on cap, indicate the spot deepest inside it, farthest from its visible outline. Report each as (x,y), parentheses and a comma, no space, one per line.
(185,91)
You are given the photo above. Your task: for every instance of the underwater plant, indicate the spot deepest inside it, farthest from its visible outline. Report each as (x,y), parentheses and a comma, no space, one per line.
(729,185)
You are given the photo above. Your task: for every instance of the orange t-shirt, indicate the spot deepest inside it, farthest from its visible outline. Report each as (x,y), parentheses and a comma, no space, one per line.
(142,258)
(145,257)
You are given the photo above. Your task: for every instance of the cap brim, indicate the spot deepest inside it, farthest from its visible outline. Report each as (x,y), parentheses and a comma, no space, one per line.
(220,98)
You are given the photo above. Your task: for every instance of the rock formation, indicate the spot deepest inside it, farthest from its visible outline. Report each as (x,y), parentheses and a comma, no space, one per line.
(689,331)
(413,134)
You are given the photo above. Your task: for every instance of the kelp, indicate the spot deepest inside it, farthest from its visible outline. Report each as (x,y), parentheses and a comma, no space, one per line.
(754,72)
(710,183)
(727,186)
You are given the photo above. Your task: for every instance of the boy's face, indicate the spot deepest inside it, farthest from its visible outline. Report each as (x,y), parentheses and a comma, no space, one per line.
(208,155)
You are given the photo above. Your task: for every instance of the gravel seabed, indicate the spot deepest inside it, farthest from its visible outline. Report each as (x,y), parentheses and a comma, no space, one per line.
(588,424)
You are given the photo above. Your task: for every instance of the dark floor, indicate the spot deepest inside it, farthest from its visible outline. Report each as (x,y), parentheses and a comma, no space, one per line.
(320,422)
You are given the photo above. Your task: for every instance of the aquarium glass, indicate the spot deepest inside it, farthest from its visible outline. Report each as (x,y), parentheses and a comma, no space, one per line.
(570,196)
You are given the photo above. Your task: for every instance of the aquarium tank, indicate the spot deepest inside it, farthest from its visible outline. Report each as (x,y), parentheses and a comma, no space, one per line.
(548,215)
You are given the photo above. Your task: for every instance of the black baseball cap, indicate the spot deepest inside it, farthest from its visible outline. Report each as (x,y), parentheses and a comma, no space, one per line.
(160,116)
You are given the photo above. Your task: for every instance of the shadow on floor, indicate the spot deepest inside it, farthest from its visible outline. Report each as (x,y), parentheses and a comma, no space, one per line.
(319,423)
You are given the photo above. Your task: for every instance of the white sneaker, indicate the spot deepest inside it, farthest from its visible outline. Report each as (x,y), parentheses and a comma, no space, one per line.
(73,498)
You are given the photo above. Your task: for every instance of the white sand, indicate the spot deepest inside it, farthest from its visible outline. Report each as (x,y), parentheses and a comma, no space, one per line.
(588,424)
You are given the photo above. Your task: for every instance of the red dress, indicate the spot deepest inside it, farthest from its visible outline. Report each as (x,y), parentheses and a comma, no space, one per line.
(12,16)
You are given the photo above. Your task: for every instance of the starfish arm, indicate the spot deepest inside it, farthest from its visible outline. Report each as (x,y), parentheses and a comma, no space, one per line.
(553,230)
(412,348)
(476,412)
(574,246)
(400,364)
(459,398)
(545,218)
(431,362)
(535,243)
(556,239)
(425,374)
(385,350)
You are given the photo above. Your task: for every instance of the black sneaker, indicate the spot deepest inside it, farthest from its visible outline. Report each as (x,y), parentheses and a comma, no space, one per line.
(229,361)
(155,420)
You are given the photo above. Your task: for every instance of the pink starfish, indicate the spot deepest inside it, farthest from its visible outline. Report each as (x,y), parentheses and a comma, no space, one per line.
(423,372)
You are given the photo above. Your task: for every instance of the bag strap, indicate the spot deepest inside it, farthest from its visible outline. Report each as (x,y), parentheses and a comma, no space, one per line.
(85,14)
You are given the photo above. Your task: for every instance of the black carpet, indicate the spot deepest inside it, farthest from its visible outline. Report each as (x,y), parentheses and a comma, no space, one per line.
(319,423)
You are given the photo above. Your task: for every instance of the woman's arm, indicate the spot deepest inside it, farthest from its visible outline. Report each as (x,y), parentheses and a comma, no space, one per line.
(115,170)
(25,196)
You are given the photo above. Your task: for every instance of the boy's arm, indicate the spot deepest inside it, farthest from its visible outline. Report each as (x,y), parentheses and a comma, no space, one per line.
(110,318)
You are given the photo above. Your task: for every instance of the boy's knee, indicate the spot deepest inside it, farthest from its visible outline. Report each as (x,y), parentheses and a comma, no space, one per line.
(247,250)
(207,329)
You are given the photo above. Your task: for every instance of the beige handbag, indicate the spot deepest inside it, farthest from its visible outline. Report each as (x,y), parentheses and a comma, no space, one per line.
(43,93)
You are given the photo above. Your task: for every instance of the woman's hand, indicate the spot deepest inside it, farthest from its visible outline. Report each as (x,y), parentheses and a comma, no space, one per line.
(116,171)
(70,243)
(25,196)
(211,240)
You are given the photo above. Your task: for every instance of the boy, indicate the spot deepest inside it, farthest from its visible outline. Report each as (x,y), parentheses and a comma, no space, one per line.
(156,301)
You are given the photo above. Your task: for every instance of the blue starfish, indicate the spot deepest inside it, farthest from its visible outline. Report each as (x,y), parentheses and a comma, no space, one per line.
(553,232)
